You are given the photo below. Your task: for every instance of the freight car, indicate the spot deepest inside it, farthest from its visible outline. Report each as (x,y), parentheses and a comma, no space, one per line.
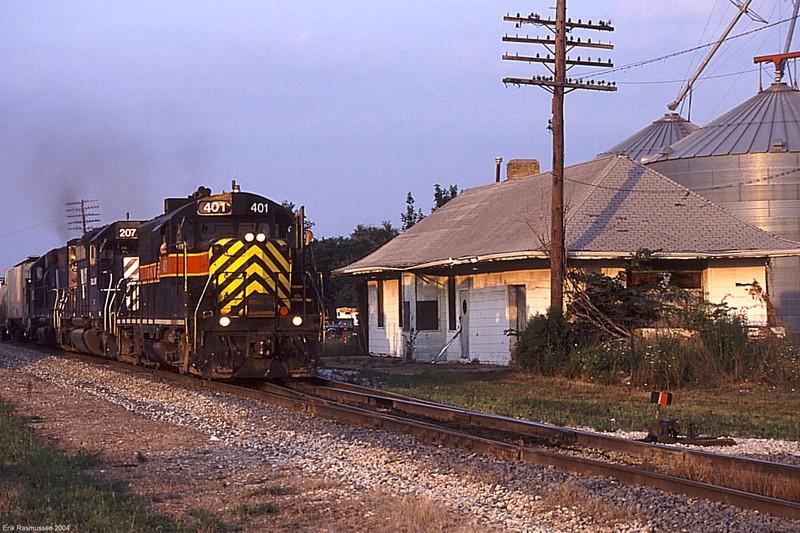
(216,286)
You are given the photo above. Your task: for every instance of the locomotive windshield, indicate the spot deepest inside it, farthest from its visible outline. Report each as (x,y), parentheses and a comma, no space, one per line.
(237,228)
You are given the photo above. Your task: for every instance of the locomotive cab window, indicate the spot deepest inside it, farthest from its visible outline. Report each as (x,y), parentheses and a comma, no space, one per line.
(218,230)
(257,227)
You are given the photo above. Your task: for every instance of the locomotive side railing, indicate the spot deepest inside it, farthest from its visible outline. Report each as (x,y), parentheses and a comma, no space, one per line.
(197,310)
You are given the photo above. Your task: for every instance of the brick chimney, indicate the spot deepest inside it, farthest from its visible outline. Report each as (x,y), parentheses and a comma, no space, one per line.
(522,168)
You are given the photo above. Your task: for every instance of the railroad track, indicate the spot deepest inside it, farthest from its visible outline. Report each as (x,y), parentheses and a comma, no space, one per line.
(747,483)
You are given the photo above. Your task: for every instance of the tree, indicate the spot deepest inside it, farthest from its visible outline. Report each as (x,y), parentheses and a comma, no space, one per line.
(443,195)
(307,223)
(410,217)
(331,253)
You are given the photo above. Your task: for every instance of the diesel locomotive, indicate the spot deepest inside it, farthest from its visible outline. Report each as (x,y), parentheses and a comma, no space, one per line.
(217,286)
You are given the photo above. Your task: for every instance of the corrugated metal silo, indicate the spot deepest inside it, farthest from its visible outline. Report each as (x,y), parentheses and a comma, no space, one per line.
(748,161)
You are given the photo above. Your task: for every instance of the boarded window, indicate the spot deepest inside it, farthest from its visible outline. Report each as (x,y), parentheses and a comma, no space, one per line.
(684,279)
(428,315)
(690,281)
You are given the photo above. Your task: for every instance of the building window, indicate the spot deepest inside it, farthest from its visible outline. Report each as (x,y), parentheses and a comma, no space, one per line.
(406,315)
(381,317)
(428,315)
(691,280)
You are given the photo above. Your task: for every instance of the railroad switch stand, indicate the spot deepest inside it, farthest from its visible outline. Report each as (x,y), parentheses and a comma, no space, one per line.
(666,431)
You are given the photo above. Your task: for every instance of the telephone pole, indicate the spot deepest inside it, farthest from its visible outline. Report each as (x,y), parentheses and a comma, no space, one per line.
(558,84)
(81,215)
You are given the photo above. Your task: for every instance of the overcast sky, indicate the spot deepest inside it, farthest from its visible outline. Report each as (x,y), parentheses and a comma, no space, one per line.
(342,106)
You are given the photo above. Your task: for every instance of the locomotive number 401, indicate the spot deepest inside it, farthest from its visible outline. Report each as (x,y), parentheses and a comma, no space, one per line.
(260,208)
(213,207)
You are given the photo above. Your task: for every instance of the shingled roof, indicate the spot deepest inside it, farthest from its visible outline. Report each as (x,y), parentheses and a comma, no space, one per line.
(613,207)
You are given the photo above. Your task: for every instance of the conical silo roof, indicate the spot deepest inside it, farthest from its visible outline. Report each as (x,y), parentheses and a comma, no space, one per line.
(658,135)
(767,122)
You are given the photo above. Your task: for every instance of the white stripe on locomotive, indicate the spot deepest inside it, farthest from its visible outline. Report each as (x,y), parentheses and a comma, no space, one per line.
(130,271)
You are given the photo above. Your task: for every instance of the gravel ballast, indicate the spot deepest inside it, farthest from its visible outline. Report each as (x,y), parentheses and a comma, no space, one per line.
(492,494)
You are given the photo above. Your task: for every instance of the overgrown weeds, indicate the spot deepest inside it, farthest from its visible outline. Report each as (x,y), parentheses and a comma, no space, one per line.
(619,330)
(719,353)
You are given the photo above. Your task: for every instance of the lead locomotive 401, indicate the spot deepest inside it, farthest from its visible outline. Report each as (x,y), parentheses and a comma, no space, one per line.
(217,286)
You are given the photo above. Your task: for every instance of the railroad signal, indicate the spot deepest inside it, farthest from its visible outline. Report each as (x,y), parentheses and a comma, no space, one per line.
(557,62)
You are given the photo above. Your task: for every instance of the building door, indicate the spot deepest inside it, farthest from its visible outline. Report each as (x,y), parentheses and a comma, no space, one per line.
(463,320)
(517,307)
(517,310)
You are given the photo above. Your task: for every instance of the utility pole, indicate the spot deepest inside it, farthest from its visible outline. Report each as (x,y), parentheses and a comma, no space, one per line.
(82,215)
(558,84)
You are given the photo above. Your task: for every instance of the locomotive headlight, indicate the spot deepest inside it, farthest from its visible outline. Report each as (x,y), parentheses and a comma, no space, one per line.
(224,321)
(249,236)
(297,320)
(261,237)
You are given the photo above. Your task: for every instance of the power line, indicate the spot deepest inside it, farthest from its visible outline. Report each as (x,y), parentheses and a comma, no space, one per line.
(28,228)
(680,81)
(683,52)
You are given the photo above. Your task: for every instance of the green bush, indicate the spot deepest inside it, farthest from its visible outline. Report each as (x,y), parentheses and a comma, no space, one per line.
(543,346)
(335,347)
(775,361)
(667,360)
(599,363)
(719,352)
(724,335)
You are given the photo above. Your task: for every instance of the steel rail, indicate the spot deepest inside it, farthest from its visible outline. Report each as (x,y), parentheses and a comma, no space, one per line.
(668,454)
(766,474)
(293,398)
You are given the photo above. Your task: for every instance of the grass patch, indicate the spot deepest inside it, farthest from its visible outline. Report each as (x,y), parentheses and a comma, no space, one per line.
(757,411)
(208,521)
(576,495)
(336,347)
(39,485)
(274,490)
(256,509)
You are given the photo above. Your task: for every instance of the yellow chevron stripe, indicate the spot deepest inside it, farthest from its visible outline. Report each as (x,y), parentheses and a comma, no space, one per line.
(232,277)
(255,268)
(267,261)
(234,270)
(283,279)
(233,296)
(282,259)
(281,290)
(231,248)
